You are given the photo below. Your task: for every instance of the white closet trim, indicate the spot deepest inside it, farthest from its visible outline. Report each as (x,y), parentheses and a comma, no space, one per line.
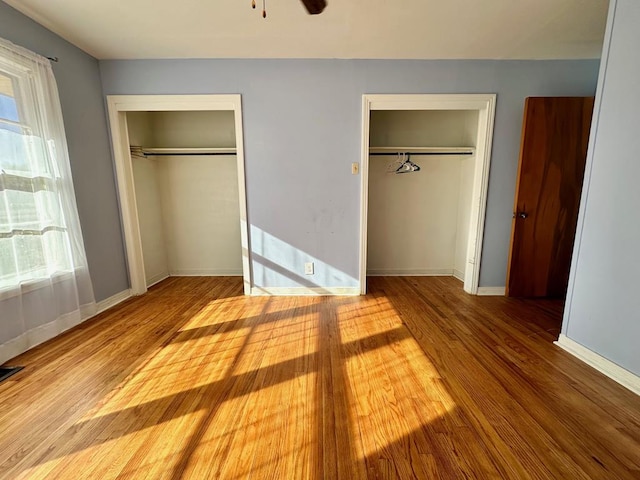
(485,104)
(118,106)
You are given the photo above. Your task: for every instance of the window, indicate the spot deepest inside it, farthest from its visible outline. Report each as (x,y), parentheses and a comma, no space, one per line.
(34,237)
(45,287)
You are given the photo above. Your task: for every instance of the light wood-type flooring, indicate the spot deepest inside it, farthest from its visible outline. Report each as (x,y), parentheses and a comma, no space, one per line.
(414,380)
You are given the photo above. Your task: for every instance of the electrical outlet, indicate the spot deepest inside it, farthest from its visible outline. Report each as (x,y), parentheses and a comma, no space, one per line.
(308,268)
(355,168)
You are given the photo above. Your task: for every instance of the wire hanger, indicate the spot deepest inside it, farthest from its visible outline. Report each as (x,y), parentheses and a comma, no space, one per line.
(403,164)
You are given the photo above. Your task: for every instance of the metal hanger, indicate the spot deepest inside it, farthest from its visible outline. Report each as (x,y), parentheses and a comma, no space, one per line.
(403,164)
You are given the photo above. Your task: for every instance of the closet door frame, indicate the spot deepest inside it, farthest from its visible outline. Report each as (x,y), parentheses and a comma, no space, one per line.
(118,106)
(485,104)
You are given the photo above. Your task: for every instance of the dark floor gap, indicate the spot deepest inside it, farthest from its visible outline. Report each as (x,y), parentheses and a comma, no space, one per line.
(6,372)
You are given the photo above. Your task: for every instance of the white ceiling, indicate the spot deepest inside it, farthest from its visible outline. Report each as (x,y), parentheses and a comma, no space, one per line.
(430,29)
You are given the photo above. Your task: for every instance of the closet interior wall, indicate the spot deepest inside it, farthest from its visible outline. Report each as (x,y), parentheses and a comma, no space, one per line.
(418,222)
(188,208)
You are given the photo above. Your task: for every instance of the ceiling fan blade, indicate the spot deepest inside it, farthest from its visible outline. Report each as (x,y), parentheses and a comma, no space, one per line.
(314,7)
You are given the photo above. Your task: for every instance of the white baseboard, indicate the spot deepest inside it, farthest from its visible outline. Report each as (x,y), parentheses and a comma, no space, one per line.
(459,274)
(41,334)
(157,279)
(492,291)
(13,348)
(38,335)
(612,370)
(304,291)
(205,272)
(113,300)
(417,272)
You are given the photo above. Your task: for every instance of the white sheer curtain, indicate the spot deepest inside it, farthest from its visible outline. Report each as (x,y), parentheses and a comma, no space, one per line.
(45,286)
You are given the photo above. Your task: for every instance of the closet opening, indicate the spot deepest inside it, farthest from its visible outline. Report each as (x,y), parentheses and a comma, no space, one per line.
(180,173)
(425,172)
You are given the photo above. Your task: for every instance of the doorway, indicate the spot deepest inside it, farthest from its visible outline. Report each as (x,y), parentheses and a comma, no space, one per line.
(553,153)
(118,108)
(481,107)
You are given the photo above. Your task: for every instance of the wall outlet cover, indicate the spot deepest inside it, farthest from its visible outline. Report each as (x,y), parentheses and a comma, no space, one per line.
(308,268)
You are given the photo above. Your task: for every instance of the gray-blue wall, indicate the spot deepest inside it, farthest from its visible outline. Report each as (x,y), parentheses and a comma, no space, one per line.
(302,129)
(78,78)
(603,304)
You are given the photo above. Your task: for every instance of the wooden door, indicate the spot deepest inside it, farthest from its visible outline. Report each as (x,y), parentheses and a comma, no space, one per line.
(553,151)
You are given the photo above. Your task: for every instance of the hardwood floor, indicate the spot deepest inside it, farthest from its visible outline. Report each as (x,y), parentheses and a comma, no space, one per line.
(414,380)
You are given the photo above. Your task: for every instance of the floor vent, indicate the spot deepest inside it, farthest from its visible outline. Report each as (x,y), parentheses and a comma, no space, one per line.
(6,372)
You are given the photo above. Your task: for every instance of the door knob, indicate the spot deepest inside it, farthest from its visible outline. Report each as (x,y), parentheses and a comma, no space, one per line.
(520,214)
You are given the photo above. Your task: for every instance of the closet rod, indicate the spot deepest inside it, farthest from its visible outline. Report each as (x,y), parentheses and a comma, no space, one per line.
(400,152)
(184,151)
(188,154)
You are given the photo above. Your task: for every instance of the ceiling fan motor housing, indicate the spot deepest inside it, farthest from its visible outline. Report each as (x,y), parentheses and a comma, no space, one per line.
(314,7)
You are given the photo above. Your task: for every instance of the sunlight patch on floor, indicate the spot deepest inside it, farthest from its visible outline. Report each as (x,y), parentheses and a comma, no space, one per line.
(114,449)
(212,313)
(287,340)
(174,370)
(270,432)
(389,396)
(371,317)
(391,379)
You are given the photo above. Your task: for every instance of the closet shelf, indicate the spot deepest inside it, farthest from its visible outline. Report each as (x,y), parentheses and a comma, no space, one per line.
(144,151)
(422,150)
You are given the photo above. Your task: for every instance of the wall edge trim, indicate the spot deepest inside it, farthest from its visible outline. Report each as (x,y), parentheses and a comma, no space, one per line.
(492,291)
(113,300)
(612,370)
(205,272)
(410,272)
(43,333)
(305,291)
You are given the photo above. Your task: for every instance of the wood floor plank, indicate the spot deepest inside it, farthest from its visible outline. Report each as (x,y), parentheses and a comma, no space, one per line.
(505,425)
(535,379)
(417,379)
